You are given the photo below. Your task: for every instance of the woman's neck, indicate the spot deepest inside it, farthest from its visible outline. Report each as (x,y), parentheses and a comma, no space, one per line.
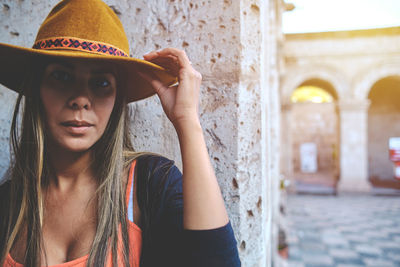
(70,169)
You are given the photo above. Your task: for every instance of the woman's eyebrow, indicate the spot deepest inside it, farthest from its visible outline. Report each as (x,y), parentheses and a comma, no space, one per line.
(62,63)
(95,70)
(104,70)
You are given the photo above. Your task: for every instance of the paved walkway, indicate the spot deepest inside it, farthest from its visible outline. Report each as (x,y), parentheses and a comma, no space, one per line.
(343,231)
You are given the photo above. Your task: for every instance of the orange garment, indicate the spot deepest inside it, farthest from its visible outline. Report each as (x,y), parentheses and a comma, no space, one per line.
(134,232)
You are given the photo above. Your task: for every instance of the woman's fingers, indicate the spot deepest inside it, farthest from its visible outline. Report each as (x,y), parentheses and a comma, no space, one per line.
(166,94)
(176,62)
(183,59)
(180,55)
(179,102)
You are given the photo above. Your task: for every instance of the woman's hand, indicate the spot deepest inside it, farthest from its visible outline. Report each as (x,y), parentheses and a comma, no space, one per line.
(180,102)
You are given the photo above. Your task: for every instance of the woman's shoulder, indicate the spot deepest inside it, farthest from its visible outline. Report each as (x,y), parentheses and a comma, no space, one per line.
(5,185)
(5,189)
(152,159)
(159,177)
(159,191)
(155,166)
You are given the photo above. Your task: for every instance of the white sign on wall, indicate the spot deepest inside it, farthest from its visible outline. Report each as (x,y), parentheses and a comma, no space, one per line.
(394,143)
(308,157)
(394,149)
(397,172)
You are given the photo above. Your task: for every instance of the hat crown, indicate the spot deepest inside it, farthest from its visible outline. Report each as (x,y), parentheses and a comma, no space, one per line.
(87,30)
(90,20)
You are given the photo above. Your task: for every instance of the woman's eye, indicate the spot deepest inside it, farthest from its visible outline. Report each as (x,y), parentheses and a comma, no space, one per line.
(62,76)
(102,83)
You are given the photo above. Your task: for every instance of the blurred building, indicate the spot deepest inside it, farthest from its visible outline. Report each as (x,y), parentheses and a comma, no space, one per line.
(360,70)
(235,45)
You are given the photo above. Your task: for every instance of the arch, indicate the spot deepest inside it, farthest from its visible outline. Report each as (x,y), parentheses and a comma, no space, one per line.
(371,75)
(326,140)
(298,75)
(323,84)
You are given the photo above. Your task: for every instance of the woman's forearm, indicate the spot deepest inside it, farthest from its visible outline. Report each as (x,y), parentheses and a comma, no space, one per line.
(203,205)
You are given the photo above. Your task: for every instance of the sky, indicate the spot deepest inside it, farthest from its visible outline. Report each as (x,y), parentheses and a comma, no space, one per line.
(337,15)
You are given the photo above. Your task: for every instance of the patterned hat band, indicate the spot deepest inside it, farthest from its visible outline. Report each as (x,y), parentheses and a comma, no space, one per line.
(73,43)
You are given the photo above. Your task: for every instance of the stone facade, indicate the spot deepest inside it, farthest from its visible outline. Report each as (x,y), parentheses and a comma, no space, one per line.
(234,44)
(351,63)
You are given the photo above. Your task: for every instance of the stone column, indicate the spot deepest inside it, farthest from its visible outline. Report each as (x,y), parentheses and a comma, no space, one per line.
(286,142)
(227,42)
(353,146)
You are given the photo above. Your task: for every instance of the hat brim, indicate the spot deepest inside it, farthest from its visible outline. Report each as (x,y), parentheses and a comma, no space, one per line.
(15,62)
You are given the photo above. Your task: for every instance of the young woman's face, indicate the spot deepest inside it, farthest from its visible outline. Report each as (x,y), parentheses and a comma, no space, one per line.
(78,98)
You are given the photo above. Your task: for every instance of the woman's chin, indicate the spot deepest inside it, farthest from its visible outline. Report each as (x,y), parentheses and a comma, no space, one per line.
(76,146)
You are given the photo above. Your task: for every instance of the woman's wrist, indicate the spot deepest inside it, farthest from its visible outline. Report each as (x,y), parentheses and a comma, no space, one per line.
(187,124)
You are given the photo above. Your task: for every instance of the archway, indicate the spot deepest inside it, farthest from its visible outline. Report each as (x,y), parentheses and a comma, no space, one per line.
(315,137)
(383,123)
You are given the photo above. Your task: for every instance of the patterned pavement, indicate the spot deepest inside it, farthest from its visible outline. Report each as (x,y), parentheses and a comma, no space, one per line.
(343,231)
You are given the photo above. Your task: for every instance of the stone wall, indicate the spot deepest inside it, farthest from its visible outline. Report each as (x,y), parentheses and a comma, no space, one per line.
(19,22)
(234,45)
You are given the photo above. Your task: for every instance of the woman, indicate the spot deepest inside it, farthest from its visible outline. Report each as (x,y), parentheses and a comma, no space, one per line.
(78,195)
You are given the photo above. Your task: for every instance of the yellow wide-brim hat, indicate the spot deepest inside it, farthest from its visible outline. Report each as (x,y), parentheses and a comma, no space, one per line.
(82,29)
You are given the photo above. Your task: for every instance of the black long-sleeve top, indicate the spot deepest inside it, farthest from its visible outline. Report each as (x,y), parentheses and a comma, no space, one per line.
(165,242)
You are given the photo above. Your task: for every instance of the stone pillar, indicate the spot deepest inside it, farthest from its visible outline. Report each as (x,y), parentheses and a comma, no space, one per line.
(353,146)
(286,142)
(258,115)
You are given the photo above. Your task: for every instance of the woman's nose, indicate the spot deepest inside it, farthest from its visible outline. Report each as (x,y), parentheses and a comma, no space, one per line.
(80,100)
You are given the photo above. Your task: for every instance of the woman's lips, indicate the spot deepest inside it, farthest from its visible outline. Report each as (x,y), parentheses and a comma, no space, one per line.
(77,127)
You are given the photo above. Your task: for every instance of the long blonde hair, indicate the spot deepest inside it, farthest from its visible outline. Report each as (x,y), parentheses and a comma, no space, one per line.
(30,171)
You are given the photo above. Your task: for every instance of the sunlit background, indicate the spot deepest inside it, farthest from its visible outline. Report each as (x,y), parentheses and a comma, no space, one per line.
(311,94)
(338,15)
(327,43)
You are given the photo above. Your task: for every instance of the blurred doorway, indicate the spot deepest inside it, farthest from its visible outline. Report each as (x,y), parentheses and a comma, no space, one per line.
(315,138)
(383,123)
